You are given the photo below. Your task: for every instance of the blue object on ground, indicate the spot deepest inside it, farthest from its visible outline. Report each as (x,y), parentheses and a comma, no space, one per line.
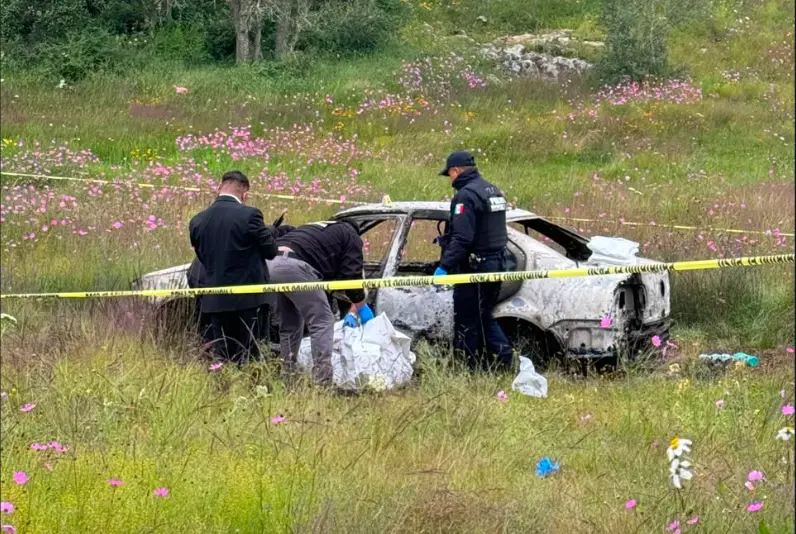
(545,467)
(440,272)
(749,360)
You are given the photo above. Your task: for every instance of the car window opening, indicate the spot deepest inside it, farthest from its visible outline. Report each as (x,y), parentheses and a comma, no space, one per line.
(574,246)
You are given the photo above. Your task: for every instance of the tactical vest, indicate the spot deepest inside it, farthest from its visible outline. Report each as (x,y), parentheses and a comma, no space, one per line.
(490,231)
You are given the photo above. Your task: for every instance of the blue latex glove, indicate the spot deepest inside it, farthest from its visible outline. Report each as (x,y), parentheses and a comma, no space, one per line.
(350,320)
(365,314)
(545,467)
(439,272)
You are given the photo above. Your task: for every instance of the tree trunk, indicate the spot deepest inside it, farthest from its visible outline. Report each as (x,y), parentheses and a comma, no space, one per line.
(248,24)
(283,33)
(255,44)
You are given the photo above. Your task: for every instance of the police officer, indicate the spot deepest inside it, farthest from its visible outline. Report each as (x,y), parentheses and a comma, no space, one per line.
(475,243)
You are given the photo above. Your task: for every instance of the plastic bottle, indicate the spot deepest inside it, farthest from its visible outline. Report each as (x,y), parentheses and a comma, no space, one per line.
(748,360)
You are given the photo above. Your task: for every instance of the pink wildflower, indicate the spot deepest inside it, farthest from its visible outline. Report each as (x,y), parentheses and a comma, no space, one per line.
(755,476)
(756,506)
(8,529)
(20,478)
(6,507)
(629,505)
(656,341)
(787,409)
(694,520)
(720,404)
(161,492)
(115,482)
(27,408)
(606,322)
(216,366)
(277,419)
(181,90)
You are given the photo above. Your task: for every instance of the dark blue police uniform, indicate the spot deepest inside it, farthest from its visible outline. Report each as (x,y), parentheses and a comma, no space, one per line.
(476,243)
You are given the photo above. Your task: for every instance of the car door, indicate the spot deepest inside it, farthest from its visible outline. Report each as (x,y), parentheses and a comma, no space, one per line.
(425,311)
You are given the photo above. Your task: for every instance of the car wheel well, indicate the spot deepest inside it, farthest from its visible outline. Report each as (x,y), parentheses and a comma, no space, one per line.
(527,339)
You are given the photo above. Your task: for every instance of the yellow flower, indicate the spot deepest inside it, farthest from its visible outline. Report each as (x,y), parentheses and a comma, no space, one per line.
(678,446)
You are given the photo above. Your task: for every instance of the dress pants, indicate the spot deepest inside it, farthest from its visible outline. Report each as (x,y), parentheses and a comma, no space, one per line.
(234,334)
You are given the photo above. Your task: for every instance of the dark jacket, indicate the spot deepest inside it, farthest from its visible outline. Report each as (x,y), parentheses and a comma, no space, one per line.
(232,242)
(477,222)
(334,249)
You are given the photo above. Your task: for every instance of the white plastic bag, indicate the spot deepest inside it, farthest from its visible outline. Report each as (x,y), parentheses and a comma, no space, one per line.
(374,356)
(528,381)
(612,250)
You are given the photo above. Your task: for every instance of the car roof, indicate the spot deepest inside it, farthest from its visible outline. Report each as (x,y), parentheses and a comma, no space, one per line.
(401,208)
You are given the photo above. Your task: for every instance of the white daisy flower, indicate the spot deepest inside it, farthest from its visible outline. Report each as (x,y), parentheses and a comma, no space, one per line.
(677,447)
(679,471)
(785,433)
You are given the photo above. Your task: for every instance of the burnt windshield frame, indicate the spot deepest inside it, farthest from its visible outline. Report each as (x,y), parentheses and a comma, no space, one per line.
(575,245)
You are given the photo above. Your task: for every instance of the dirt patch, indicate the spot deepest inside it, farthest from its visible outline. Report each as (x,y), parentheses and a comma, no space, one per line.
(444,510)
(150,111)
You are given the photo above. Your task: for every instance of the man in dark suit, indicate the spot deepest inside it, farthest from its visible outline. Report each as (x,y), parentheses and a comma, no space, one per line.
(232,242)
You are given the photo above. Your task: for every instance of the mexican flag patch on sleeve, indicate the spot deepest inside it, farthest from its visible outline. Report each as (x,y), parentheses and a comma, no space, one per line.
(458,209)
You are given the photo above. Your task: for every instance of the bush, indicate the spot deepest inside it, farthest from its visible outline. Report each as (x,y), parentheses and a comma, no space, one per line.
(636,44)
(186,43)
(355,26)
(81,53)
(219,38)
(36,21)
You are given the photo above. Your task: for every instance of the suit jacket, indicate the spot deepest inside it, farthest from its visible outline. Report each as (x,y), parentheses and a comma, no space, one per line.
(232,242)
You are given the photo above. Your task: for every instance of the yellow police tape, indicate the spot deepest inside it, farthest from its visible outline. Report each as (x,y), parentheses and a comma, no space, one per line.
(141,185)
(413,281)
(385,200)
(674,226)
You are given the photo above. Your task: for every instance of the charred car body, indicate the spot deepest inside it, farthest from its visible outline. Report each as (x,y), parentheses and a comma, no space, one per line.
(582,317)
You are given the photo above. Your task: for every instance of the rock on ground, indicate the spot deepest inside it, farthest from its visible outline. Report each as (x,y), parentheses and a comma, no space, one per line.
(549,55)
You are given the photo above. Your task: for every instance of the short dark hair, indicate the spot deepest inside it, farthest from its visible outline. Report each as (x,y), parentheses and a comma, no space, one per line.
(235,176)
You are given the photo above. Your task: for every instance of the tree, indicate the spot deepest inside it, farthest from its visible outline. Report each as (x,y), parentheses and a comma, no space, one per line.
(292,18)
(247,17)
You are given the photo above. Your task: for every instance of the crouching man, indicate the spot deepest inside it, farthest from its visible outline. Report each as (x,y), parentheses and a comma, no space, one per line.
(310,253)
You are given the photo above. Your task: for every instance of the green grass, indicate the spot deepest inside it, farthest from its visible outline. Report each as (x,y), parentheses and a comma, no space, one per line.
(442,456)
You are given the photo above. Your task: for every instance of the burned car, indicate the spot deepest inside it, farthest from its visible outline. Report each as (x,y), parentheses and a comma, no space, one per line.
(581,317)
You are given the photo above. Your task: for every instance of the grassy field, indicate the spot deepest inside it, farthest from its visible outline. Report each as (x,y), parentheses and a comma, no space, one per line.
(712,150)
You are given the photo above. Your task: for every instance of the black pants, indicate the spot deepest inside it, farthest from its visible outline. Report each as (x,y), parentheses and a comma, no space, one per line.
(235,335)
(474,328)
